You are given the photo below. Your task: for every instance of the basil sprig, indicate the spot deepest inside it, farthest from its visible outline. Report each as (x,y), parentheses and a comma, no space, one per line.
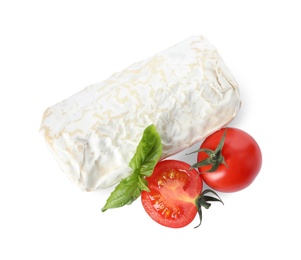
(146,157)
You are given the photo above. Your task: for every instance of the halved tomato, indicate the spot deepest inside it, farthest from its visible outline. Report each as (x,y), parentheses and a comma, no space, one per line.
(175,194)
(174,188)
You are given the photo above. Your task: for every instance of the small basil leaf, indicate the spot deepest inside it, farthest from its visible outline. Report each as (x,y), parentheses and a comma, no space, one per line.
(148,152)
(146,157)
(142,184)
(124,193)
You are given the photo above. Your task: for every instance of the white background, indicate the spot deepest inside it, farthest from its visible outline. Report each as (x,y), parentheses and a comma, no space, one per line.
(53,49)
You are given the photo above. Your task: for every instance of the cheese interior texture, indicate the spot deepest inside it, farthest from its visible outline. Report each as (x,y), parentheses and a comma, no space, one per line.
(186,91)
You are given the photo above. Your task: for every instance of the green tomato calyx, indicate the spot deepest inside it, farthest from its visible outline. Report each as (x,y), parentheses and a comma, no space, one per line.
(215,157)
(202,201)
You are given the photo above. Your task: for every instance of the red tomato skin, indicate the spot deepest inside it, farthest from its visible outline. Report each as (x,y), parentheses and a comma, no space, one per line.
(168,197)
(243,156)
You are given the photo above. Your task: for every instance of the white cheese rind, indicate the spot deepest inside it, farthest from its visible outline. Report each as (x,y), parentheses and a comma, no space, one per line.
(186,91)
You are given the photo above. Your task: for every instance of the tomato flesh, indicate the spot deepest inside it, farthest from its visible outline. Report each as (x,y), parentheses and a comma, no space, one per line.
(242,156)
(173,191)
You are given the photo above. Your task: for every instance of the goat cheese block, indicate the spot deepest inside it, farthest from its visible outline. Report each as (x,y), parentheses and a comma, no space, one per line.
(186,91)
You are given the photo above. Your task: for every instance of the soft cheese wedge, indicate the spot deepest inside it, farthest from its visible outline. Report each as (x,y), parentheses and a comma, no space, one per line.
(186,91)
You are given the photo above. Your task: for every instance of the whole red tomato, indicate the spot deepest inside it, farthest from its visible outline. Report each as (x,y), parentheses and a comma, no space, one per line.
(229,160)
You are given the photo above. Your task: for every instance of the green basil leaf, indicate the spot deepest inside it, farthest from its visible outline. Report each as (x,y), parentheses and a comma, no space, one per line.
(124,193)
(148,152)
(146,157)
(142,183)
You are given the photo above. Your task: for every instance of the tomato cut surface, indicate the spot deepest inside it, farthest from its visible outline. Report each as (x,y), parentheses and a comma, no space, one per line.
(174,188)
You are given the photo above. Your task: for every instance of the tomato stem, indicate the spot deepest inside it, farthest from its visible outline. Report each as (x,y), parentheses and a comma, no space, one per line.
(215,158)
(202,201)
